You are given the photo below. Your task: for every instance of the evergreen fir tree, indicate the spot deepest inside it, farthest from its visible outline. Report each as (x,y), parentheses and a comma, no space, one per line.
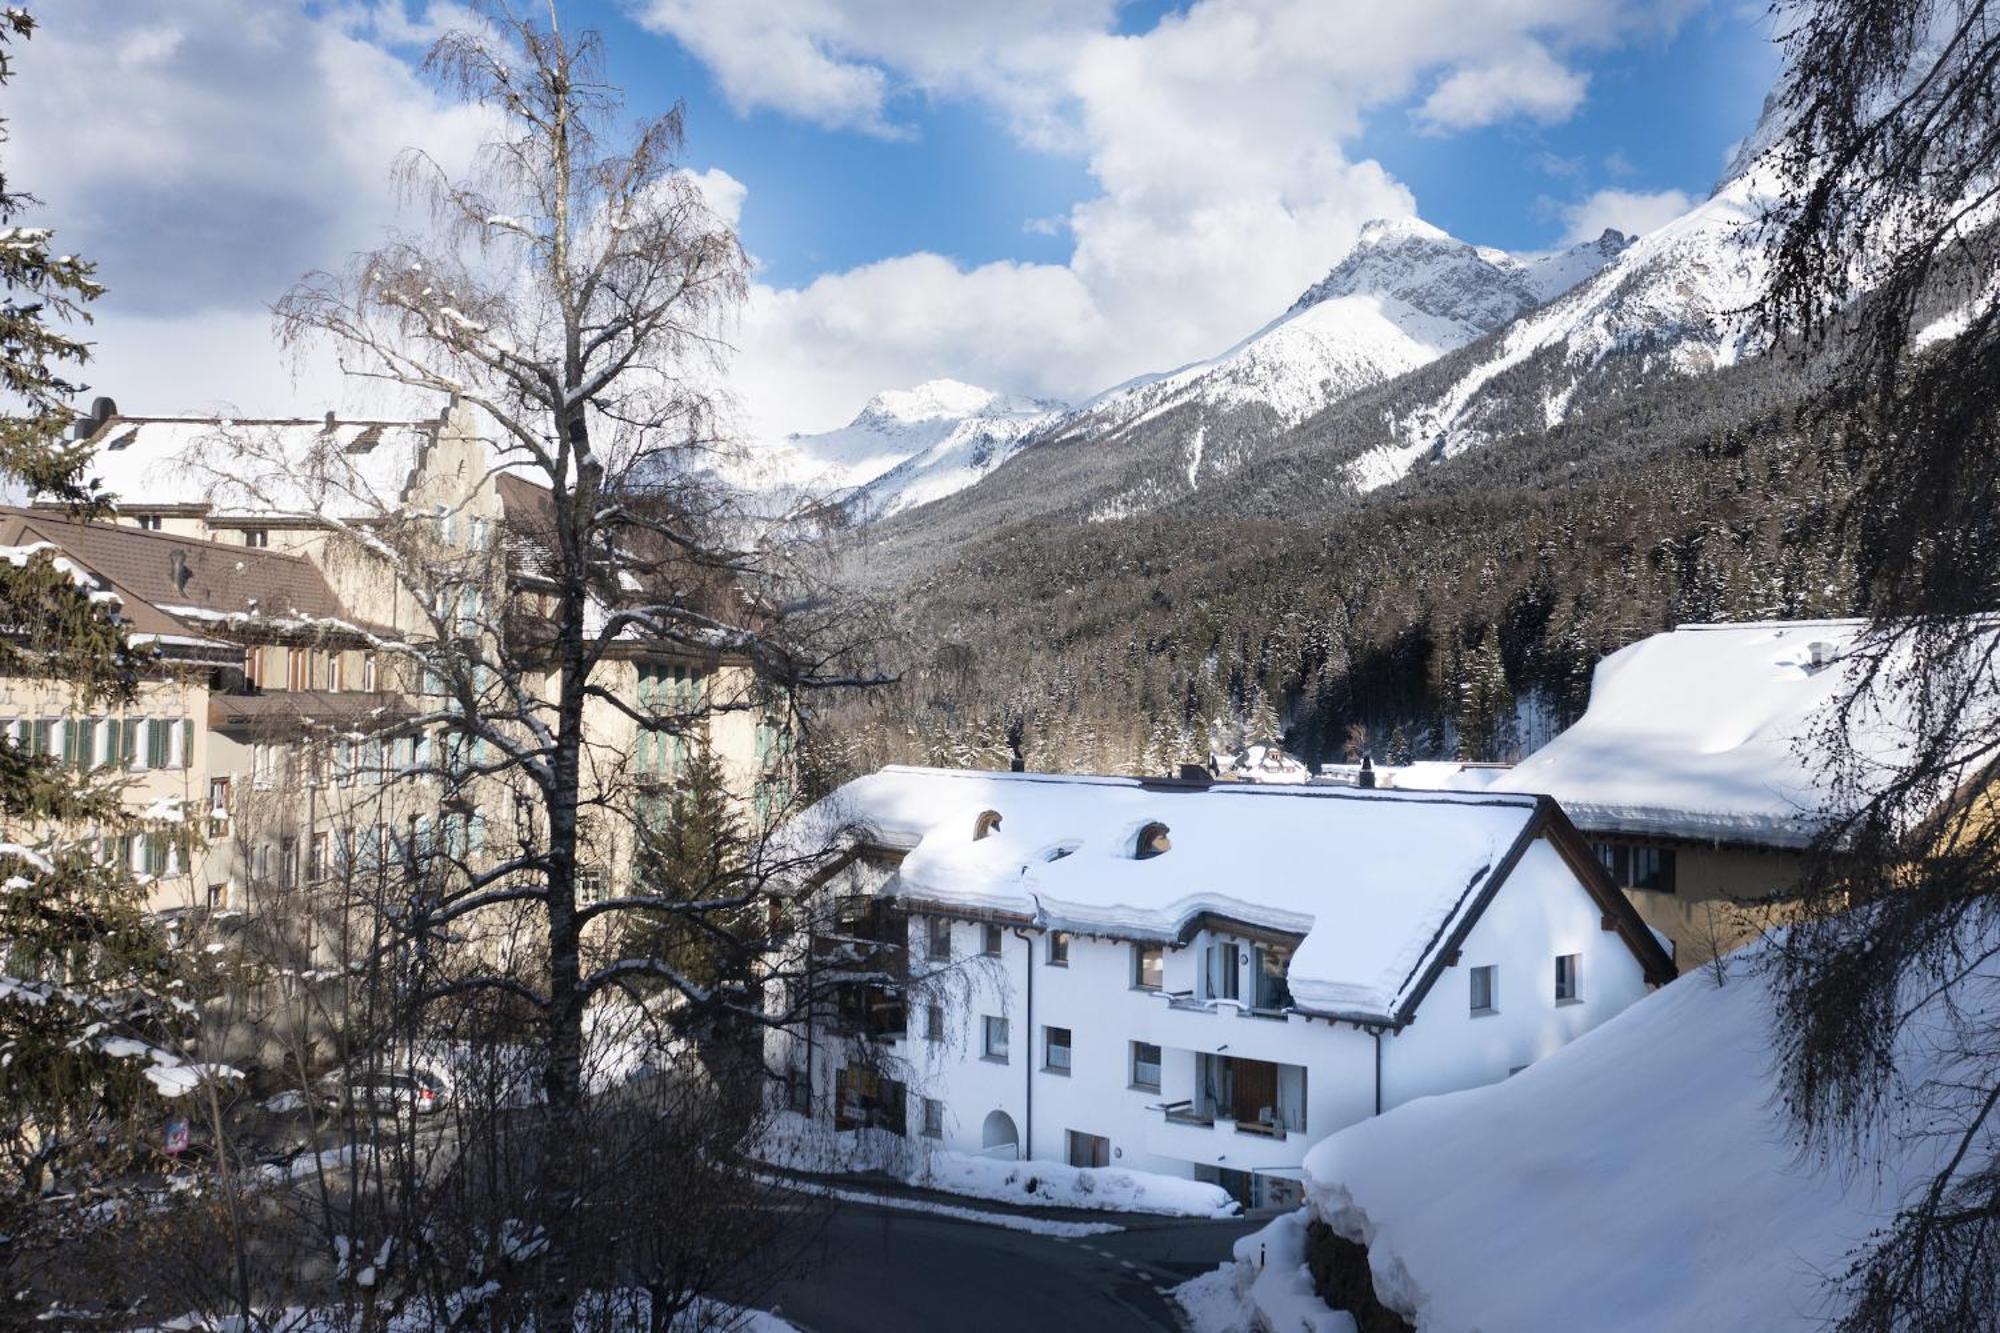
(81,963)
(692,849)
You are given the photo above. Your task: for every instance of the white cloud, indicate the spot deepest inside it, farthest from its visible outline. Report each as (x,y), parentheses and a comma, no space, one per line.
(1634,212)
(208,157)
(1216,138)
(211,153)
(1527,82)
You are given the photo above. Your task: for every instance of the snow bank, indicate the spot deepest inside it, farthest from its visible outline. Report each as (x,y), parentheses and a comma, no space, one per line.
(800,1144)
(1640,1178)
(1266,1287)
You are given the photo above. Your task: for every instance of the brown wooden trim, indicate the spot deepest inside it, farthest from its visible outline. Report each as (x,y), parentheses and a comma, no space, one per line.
(1619,914)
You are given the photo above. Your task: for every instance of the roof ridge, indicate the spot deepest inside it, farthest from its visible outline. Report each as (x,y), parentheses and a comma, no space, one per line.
(119,530)
(218,419)
(1314,790)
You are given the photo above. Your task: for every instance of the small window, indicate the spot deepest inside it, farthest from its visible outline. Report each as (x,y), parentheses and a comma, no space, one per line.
(589,886)
(1145,1066)
(933,1022)
(149,522)
(1568,985)
(1616,858)
(1148,964)
(1485,990)
(987,823)
(1221,972)
(940,939)
(1653,868)
(1058,948)
(933,1118)
(1152,842)
(1055,1046)
(256,537)
(990,940)
(798,1092)
(993,1038)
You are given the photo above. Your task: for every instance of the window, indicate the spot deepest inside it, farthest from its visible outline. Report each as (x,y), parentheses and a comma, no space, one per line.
(149,522)
(256,536)
(1634,867)
(990,943)
(940,939)
(1152,842)
(1274,991)
(298,669)
(798,1092)
(368,672)
(1221,970)
(1058,948)
(1146,1066)
(1147,966)
(1055,1048)
(993,1038)
(1653,868)
(159,742)
(288,861)
(933,1118)
(218,807)
(1485,991)
(933,1022)
(1568,987)
(589,886)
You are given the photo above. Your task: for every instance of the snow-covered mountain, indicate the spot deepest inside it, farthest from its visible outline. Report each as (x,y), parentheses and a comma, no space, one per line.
(906,446)
(1672,304)
(1403,296)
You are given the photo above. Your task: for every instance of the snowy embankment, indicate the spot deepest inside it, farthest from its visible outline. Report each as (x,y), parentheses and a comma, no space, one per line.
(1643,1177)
(1267,1287)
(799,1144)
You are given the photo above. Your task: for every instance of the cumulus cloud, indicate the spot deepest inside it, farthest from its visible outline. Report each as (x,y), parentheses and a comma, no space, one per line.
(1217,139)
(208,156)
(1634,212)
(211,152)
(1528,82)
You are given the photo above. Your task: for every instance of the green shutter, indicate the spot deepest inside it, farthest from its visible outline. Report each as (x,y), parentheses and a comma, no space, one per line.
(187,742)
(72,743)
(45,735)
(156,742)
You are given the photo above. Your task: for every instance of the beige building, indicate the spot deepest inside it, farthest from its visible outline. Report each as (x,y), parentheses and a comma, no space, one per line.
(300,580)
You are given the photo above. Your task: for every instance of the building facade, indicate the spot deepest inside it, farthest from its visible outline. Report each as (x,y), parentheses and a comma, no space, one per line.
(1199,980)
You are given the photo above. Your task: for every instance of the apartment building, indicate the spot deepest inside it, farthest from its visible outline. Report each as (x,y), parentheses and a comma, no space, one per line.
(294,693)
(1195,978)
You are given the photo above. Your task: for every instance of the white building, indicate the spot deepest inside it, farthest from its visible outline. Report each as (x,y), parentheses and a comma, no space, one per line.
(1190,978)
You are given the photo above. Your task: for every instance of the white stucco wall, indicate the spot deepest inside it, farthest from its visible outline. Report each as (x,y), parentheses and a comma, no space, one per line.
(1540,912)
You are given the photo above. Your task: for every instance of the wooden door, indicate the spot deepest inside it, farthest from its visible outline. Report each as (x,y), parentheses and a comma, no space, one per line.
(1255,1089)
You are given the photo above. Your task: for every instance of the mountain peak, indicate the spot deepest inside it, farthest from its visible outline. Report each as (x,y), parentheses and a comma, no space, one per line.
(933,400)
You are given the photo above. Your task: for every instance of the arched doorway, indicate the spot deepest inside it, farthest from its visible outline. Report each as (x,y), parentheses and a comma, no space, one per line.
(998,1137)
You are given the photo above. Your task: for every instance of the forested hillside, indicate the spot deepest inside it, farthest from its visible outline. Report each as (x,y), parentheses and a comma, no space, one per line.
(1459,611)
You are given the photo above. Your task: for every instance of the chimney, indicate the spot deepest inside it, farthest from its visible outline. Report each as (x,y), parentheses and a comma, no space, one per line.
(102,409)
(1366,777)
(331,421)
(1822,653)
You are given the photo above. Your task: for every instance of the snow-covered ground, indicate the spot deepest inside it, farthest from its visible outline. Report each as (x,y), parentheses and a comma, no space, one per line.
(1266,1286)
(1641,1178)
(804,1145)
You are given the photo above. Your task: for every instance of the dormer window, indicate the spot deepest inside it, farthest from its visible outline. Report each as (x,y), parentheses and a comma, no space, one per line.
(988,822)
(1152,842)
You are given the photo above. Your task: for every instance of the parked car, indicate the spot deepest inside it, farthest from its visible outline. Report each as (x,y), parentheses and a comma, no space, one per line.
(383,1092)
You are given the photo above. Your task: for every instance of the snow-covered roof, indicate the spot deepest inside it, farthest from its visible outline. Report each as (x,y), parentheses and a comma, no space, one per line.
(1374,881)
(1703,732)
(260,468)
(1642,1177)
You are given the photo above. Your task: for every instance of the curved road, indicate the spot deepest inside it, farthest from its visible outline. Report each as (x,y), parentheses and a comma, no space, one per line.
(882,1270)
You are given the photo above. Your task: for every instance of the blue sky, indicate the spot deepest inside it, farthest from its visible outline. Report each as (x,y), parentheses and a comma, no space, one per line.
(1659,115)
(1043,197)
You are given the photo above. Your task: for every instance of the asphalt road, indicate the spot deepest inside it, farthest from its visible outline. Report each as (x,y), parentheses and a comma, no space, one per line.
(884,1270)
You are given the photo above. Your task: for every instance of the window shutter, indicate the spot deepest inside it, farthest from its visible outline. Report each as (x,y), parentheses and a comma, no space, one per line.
(128,741)
(187,742)
(72,737)
(156,742)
